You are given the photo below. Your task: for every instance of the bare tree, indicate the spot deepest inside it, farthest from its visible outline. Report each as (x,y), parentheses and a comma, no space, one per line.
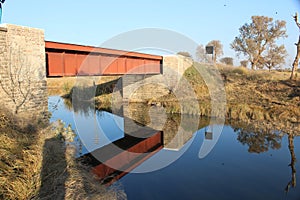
(274,57)
(201,55)
(227,60)
(292,182)
(18,80)
(218,49)
(296,61)
(255,37)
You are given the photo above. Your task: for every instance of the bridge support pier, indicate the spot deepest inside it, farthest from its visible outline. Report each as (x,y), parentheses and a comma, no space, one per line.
(22,69)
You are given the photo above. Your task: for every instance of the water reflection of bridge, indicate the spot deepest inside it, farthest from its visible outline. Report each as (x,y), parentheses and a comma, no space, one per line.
(140,142)
(115,160)
(156,141)
(177,129)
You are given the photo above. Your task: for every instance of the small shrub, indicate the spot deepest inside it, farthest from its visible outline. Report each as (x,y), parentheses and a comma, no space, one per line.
(227,60)
(66,87)
(240,70)
(64,133)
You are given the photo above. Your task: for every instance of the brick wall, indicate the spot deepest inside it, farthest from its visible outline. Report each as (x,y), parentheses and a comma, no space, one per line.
(22,69)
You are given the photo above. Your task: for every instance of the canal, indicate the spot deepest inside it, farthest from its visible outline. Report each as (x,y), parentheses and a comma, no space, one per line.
(185,157)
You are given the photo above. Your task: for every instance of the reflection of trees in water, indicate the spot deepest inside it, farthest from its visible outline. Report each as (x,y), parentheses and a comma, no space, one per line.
(81,98)
(292,182)
(258,138)
(259,142)
(82,107)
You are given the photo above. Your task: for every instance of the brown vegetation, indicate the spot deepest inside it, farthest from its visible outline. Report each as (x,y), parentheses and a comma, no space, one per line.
(20,157)
(63,85)
(36,164)
(251,96)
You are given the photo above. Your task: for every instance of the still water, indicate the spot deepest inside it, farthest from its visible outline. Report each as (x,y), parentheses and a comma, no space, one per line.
(164,162)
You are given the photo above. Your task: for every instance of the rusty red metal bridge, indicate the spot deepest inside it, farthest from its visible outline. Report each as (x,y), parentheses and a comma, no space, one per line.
(77,60)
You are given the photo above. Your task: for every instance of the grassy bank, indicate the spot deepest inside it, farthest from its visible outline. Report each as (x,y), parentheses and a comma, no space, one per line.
(35,163)
(21,145)
(250,96)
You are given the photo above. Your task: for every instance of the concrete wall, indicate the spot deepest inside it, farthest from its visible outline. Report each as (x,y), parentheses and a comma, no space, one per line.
(140,88)
(22,69)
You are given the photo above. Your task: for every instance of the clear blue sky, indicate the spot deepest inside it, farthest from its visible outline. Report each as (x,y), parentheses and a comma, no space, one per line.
(92,22)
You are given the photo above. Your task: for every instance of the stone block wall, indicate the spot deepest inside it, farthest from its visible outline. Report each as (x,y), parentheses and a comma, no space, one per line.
(140,88)
(178,63)
(22,69)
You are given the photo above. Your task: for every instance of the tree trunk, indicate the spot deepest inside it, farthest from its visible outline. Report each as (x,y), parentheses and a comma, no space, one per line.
(215,57)
(253,64)
(296,61)
(292,164)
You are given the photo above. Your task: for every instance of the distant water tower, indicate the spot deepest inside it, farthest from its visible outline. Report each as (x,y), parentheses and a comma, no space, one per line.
(210,50)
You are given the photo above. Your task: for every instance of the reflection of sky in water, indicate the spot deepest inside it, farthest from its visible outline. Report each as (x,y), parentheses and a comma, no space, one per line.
(94,130)
(229,171)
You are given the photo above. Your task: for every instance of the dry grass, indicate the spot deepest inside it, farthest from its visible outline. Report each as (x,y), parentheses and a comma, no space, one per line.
(20,159)
(104,102)
(63,177)
(263,75)
(82,184)
(63,85)
(60,86)
(250,95)
(36,164)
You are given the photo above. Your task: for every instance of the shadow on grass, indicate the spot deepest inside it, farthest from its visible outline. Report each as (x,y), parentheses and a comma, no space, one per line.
(64,177)
(295,86)
(88,92)
(54,172)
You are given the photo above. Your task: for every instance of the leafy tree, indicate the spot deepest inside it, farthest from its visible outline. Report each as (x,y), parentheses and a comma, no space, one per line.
(255,37)
(227,60)
(218,49)
(274,58)
(185,54)
(297,58)
(244,63)
(201,55)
